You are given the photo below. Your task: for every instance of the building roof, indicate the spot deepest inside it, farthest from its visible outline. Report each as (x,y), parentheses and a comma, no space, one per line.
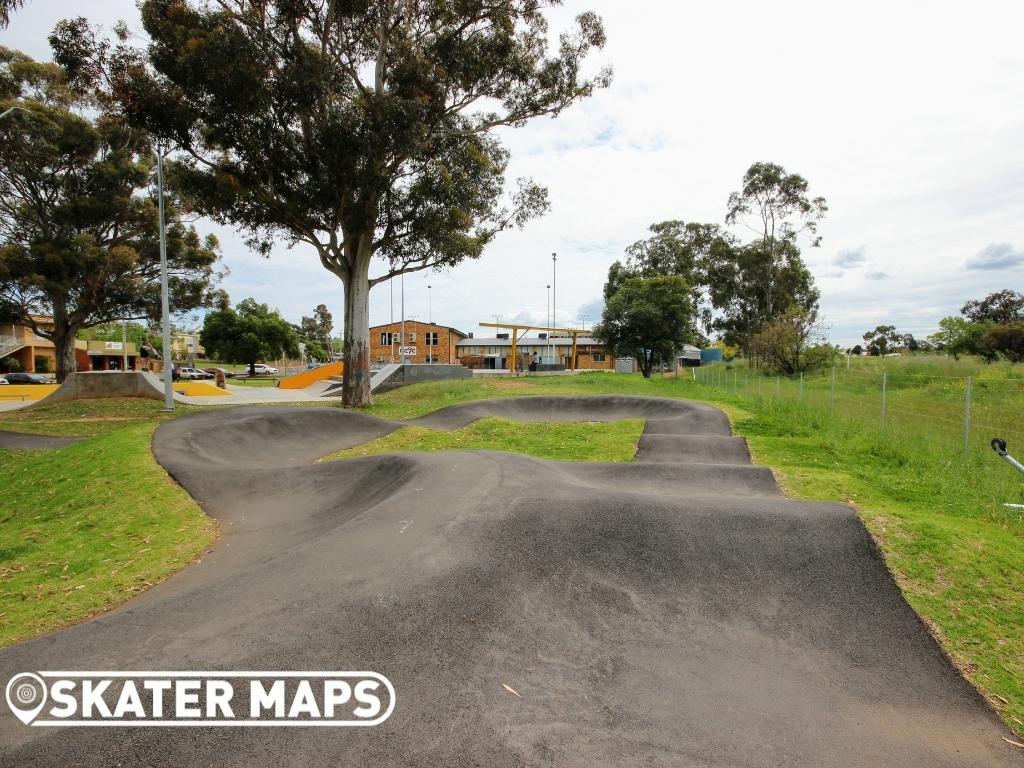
(398,323)
(532,341)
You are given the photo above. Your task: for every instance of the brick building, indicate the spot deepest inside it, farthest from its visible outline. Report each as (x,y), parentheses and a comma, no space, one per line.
(493,353)
(27,351)
(432,343)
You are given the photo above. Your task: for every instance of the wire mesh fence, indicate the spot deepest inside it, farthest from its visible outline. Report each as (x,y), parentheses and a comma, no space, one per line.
(944,423)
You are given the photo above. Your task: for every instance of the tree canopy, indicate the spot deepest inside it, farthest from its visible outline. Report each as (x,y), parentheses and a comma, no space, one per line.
(360,130)
(883,340)
(79,227)
(999,307)
(795,343)
(775,205)
(249,333)
(650,318)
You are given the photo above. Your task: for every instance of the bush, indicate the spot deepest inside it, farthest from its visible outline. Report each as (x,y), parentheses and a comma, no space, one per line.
(42,364)
(1003,340)
(10,365)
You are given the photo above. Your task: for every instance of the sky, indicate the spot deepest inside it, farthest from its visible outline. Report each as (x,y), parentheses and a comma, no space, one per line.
(907,117)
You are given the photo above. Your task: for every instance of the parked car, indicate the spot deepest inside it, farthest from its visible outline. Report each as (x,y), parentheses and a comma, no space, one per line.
(193,373)
(26,378)
(214,371)
(264,370)
(3,380)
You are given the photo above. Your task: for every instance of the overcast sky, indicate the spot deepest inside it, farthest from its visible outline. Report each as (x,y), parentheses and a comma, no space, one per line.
(908,117)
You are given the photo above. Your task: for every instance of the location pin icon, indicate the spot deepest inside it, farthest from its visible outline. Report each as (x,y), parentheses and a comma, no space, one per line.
(26,695)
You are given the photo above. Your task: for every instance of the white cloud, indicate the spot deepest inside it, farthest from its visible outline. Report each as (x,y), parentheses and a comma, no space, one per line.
(851,257)
(908,122)
(996,256)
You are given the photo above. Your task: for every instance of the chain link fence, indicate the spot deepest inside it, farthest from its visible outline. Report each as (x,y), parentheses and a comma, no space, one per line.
(947,422)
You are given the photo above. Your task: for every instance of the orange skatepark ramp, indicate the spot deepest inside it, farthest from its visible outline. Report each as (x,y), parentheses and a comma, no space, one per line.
(312,376)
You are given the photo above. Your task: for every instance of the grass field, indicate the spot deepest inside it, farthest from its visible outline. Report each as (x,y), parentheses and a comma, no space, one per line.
(565,441)
(86,527)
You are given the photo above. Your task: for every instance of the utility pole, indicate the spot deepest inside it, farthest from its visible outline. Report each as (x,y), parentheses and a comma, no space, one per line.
(554,292)
(165,310)
(548,345)
(430,325)
(401,340)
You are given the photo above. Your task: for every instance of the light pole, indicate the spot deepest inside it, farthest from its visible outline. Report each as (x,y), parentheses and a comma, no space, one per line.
(165,310)
(401,337)
(554,291)
(430,326)
(124,347)
(548,345)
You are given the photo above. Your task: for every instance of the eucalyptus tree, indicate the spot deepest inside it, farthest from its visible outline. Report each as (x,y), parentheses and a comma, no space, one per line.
(360,129)
(777,203)
(6,8)
(79,234)
(735,283)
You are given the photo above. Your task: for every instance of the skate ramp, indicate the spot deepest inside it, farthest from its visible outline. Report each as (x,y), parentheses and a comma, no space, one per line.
(677,611)
(89,385)
(312,376)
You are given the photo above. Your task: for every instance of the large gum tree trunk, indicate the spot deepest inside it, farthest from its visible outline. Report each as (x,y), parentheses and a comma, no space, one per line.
(64,332)
(64,344)
(355,391)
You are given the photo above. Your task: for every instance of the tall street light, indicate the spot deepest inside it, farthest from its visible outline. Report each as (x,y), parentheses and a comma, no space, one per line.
(548,334)
(165,309)
(430,326)
(554,290)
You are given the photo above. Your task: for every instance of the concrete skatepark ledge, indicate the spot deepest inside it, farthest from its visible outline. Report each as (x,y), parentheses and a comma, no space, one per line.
(676,611)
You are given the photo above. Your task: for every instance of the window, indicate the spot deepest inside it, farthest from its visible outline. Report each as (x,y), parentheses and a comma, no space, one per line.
(431,338)
(412,337)
(387,339)
(432,359)
(599,357)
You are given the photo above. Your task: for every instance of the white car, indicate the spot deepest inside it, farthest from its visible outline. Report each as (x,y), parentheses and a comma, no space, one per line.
(262,369)
(193,373)
(3,380)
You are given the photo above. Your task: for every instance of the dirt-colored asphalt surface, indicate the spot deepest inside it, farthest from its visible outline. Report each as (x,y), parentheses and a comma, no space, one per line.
(678,611)
(22,441)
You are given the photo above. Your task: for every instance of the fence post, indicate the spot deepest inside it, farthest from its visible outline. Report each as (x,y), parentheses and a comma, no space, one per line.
(967,418)
(832,394)
(885,381)
(801,386)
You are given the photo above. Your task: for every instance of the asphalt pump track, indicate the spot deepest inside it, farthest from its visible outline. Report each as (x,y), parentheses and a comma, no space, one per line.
(673,611)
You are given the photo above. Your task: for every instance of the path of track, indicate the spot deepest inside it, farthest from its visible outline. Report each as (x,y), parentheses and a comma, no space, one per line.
(23,441)
(677,611)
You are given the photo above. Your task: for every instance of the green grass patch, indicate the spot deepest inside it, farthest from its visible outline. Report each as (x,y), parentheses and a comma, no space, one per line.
(88,526)
(83,418)
(564,441)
